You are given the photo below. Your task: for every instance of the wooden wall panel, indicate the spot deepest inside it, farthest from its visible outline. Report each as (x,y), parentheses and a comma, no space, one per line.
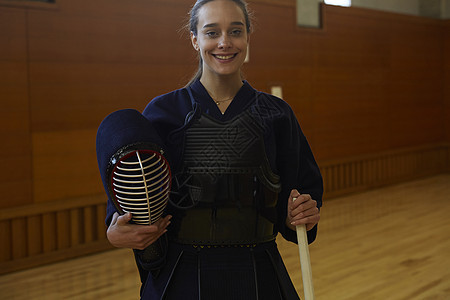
(86,62)
(15,150)
(81,98)
(417,57)
(447,78)
(65,165)
(121,54)
(362,84)
(356,89)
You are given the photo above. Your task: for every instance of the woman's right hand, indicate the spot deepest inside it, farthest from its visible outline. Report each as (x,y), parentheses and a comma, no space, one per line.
(122,234)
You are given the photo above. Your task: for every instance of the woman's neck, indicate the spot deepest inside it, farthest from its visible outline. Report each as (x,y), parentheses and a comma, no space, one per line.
(221,88)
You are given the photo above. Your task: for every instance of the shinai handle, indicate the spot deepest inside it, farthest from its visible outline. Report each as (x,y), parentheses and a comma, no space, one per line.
(305,261)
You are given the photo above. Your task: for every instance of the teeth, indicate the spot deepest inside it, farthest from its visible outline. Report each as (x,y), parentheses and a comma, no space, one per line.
(224,57)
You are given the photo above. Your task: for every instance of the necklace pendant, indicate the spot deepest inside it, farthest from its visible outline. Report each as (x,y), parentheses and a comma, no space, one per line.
(218,102)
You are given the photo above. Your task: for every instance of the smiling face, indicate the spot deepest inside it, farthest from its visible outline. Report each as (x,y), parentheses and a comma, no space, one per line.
(221,38)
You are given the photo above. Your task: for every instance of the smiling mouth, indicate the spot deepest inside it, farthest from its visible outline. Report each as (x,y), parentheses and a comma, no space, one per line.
(224,57)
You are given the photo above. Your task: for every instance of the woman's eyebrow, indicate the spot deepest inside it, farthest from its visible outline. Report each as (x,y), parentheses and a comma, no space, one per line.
(210,25)
(216,24)
(237,23)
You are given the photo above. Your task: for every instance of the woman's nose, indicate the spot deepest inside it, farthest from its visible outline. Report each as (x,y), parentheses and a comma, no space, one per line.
(224,42)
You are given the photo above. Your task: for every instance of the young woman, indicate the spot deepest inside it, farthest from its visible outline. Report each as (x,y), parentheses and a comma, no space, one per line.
(238,159)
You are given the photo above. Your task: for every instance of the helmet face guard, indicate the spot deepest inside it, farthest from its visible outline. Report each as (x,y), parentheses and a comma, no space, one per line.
(135,174)
(139,182)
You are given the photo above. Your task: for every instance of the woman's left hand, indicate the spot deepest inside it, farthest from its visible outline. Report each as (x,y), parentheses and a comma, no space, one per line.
(302,211)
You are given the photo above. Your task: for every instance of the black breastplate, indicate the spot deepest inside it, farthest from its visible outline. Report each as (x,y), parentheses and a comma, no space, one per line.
(227,192)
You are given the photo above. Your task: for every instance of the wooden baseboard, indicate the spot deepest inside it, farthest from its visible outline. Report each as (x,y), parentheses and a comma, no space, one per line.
(42,233)
(355,174)
(54,256)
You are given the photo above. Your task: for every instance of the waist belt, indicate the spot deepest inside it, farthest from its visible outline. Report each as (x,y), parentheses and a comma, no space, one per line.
(237,209)
(223,227)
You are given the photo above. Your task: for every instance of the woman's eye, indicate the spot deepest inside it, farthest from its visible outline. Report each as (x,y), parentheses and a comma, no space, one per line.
(211,34)
(236,32)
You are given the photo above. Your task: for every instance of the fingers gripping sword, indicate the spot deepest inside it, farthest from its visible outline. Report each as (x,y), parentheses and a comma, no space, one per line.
(305,261)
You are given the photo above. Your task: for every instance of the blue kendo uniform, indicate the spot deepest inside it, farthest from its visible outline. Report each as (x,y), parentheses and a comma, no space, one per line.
(232,176)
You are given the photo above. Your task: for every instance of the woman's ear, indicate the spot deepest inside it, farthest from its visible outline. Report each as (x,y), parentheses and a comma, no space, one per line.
(194,41)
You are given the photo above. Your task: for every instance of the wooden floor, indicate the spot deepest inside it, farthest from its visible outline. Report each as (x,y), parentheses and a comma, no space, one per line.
(391,243)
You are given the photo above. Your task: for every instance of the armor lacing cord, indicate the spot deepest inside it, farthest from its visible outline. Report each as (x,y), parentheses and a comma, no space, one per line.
(256,203)
(172,272)
(254,272)
(213,222)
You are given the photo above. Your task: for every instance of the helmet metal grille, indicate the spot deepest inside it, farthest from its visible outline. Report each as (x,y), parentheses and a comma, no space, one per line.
(141,183)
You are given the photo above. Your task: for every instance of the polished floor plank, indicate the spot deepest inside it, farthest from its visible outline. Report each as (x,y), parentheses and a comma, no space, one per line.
(389,243)
(108,275)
